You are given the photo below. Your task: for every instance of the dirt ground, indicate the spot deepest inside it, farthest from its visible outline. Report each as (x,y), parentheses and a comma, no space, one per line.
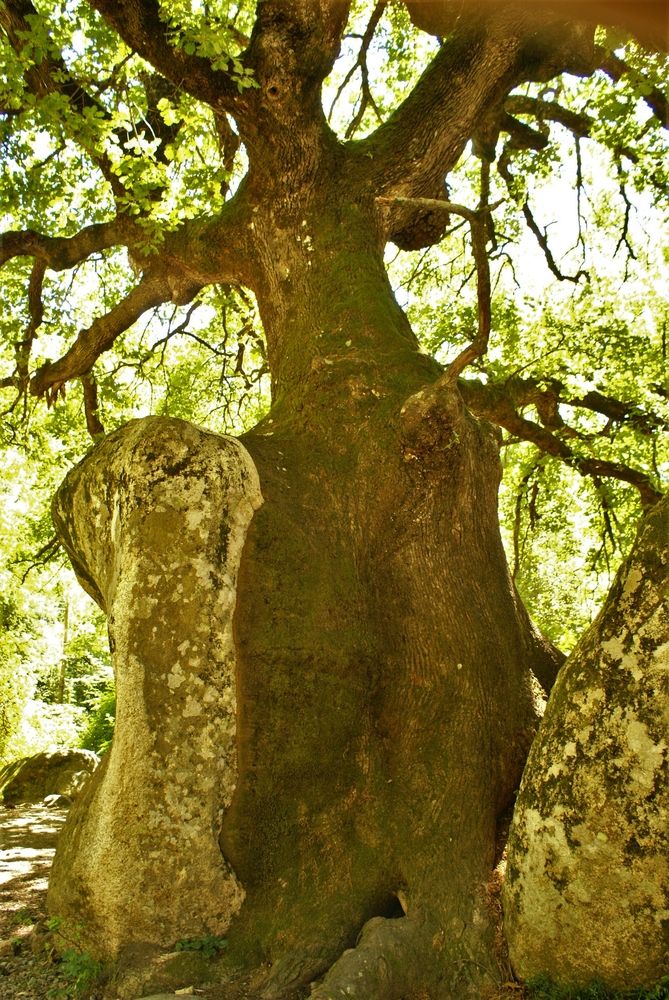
(27,843)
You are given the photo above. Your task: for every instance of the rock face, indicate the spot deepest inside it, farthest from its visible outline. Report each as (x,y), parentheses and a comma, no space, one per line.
(587,886)
(154,520)
(59,772)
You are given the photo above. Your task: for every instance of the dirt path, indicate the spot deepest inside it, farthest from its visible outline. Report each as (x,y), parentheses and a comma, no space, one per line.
(28,837)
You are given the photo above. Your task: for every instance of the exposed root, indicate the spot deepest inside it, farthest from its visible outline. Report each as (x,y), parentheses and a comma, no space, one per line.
(294,970)
(392,959)
(409,959)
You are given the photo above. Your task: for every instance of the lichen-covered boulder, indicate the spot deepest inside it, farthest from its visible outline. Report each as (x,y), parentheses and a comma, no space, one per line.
(154,520)
(587,885)
(55,772)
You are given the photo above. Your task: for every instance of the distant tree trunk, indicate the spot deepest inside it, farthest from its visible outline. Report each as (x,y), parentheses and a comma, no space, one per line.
(382,658)
(62,666)
(587,886)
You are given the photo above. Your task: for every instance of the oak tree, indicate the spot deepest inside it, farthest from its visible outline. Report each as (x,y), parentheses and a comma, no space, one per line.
(327,679)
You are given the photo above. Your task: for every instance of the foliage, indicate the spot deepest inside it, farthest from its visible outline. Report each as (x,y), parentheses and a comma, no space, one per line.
(99,729)
(542,988)
(14,685)
(44,726)
(80,971)
(606,333)
(23,918)
(208,946)
(131,143)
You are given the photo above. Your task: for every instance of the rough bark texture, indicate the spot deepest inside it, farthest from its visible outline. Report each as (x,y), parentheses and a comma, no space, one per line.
(587,886)
(155,520)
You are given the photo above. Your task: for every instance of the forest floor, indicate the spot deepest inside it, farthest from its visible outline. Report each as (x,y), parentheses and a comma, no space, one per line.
(29,968)
(27,842)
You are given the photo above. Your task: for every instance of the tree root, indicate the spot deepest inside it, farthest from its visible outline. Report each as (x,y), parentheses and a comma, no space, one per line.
(405,959)
(393,958)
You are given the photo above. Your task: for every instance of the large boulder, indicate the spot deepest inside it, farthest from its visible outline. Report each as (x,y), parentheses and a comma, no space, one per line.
(154,520)
(58,772)
(587,887)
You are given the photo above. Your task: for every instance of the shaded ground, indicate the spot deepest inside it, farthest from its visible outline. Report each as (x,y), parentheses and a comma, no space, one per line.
(27,842)
(29,970)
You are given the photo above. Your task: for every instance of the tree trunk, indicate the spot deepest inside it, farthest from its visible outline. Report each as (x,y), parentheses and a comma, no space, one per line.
(383,662)
(587,887)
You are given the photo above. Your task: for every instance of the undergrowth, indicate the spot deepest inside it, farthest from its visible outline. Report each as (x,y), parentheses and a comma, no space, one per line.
(543,988)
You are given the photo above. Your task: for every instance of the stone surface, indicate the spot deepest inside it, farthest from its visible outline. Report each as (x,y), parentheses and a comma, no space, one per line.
(154,520)
(57,772)
(587,887)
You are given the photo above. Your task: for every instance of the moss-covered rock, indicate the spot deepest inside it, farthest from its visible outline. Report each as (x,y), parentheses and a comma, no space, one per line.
(587,887)
(56,772)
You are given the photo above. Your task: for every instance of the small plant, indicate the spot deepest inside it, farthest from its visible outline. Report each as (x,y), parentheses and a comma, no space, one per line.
(80,971)
(543,988)
(209,946)
(23,918)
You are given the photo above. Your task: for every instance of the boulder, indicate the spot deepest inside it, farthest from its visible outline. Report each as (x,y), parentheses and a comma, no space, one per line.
(587,885)
(57,772)
(154,520)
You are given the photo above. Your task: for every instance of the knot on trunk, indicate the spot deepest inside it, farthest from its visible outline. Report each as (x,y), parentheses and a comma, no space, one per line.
(431,421)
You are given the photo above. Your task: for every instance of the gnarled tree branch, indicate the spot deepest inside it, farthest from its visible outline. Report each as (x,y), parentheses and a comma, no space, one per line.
(99,337)
(62,252)
(494,403)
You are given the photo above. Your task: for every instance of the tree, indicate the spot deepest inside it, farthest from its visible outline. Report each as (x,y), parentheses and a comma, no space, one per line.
(321,655)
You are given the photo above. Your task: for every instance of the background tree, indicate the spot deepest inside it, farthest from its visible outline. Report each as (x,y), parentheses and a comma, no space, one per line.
(165,158)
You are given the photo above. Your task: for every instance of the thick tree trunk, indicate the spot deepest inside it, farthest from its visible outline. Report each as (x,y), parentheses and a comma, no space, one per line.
(383,663)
